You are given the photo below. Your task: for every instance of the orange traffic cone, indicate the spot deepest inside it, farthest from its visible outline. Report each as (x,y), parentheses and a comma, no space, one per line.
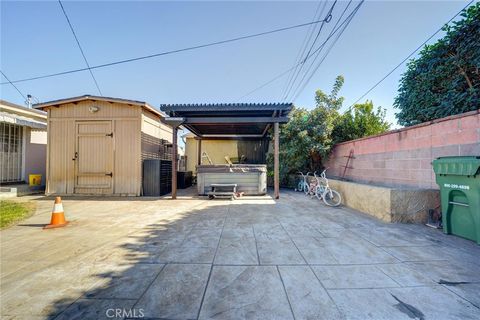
(58,217)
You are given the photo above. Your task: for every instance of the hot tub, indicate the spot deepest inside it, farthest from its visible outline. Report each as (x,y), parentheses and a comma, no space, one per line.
(251,179)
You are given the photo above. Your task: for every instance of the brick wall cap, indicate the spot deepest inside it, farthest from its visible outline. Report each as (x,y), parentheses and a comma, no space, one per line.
(423,124)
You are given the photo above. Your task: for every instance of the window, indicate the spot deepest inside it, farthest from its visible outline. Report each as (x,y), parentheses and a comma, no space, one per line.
(11,155)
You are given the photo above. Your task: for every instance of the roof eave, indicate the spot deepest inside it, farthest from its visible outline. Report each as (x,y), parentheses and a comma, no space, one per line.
(44,105)
(22,110)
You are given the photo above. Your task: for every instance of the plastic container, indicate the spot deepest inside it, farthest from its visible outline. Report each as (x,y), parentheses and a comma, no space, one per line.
(35,180)
(459,182)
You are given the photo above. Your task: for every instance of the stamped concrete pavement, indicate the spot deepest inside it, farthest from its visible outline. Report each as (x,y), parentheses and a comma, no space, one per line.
(253,258)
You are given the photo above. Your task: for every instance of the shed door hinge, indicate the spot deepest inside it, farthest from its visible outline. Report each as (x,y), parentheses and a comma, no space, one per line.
(109,134)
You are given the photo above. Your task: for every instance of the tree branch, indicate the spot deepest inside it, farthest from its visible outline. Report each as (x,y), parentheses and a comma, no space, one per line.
(462,71)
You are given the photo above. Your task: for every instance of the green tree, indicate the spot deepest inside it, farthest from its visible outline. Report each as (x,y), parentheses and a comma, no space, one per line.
(445,78)
(360,121)
(307,138)
(309,135)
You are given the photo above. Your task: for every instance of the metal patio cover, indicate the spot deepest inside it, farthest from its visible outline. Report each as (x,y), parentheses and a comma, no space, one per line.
(234,120)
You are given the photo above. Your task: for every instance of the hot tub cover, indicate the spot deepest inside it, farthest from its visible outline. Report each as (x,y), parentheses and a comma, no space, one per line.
(232,168)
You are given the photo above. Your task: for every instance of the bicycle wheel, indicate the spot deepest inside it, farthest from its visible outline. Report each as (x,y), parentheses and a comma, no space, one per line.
(332,198)
(300,186)
(306,188)
(319,190)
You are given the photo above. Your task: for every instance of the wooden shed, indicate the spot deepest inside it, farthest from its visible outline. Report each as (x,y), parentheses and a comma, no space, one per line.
(96,144)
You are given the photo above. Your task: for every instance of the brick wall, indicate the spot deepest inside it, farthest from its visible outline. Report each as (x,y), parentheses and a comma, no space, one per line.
(403,157)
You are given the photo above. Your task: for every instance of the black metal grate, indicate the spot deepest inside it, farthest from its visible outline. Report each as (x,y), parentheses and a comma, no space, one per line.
(157,177)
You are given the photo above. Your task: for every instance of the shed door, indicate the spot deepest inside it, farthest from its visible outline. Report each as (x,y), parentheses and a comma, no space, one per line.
(94,157)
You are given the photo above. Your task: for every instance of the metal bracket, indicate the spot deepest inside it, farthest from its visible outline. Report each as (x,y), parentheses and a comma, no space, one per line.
(109,134)
(109,174)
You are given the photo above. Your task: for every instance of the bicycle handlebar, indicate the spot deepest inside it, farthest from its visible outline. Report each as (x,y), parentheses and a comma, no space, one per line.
(304,175)
(324,173)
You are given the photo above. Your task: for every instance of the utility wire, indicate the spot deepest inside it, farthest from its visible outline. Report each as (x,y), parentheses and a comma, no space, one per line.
(327,19)
(80,47)
(349,17)
(306,41)
(321,61)
(317,54)
(409,56)
(299,89)
(20,92)
(168,52)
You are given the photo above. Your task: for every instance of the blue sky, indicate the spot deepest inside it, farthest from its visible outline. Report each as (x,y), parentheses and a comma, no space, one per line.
(36,40)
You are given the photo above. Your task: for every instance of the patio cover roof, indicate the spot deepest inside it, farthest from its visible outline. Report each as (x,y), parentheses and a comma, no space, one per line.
(228,120)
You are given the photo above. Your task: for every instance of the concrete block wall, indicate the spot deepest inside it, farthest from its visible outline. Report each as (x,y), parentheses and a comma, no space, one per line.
(388,204)
(402,158)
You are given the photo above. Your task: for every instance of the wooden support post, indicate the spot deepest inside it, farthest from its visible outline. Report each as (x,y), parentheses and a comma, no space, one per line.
(199,155)
(174,163)
(276,161)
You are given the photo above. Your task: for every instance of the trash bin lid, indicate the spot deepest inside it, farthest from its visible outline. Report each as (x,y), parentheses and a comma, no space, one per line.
(458,166)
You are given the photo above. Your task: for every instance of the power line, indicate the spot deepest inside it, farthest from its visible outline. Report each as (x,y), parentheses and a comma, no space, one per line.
(167,52)
(80,47)
(410,55)
(280,75)
(306,41)
(3,74)
(317,55)
(327,19)
(299,90)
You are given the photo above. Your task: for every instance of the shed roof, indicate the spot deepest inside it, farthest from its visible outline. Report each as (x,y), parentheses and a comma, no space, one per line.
(142,104)
(229,119)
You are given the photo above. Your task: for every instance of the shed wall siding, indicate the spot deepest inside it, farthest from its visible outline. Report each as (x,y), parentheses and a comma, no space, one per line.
(153,132)
(126,128)
(127,167)
(153,125)
(61,150)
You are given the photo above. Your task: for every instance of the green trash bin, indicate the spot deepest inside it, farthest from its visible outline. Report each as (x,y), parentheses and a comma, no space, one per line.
(459,182)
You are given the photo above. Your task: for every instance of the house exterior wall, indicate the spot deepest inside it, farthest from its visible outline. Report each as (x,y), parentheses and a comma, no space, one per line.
(34,137)
(216,150)
(403,157)
(35,153)
(62,140)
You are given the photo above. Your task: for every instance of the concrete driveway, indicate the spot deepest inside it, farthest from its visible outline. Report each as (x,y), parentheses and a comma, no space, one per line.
(252,258)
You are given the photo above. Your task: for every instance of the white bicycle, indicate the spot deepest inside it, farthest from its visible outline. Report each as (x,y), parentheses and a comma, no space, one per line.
(323,191)
(303,184)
